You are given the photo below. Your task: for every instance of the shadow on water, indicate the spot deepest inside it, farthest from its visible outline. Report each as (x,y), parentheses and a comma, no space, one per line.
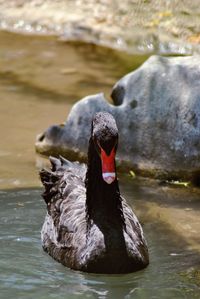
(28,272)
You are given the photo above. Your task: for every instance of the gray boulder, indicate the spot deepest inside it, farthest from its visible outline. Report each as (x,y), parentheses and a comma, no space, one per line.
(157,109)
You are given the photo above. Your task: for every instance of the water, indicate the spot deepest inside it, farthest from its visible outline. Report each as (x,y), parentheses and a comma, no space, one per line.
(28,272)
(134,26)
(40,79)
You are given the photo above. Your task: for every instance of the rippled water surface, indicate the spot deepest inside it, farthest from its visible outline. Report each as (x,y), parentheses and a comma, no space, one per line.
(28,272)
(40,79)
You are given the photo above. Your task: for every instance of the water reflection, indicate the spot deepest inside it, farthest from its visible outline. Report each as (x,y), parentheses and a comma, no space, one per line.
(170,216)
(40,79)
(27,272)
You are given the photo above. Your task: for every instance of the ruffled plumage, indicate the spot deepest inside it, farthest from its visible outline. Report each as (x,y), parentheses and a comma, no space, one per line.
(89,226)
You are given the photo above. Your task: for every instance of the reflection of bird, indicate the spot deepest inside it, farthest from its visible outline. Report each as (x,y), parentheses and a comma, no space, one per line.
(89,226)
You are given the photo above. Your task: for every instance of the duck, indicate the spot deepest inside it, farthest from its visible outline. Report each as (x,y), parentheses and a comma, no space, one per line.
(89,226)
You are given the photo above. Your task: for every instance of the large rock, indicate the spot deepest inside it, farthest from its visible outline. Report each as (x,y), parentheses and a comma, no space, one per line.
(157,109)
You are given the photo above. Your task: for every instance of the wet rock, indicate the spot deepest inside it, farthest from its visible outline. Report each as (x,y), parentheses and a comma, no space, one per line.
(157,109)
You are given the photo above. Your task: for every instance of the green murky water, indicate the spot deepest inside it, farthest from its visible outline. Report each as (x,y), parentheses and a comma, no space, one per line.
(40,79)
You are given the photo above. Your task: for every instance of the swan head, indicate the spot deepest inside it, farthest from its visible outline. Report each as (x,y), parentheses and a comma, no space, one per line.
(105,138)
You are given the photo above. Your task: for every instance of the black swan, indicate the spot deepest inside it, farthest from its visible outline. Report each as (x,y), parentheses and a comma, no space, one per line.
(89,226)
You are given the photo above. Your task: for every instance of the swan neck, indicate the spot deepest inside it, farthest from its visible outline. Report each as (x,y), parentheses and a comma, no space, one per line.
(100,197)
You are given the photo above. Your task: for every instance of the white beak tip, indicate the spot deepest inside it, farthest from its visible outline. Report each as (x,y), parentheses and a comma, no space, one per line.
(109,177)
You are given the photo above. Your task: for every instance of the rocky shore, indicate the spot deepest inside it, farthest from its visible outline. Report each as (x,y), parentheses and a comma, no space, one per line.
(170,27)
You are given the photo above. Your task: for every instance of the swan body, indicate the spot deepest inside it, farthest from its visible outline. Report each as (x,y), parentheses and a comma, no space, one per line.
(89,226)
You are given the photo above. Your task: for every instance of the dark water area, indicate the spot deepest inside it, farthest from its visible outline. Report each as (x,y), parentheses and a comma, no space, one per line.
(40,79)
(28,272)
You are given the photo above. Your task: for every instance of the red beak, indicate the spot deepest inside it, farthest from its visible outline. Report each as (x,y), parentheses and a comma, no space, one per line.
(108,166)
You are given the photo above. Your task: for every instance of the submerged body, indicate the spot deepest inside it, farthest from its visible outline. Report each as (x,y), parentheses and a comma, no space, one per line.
(89,226)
